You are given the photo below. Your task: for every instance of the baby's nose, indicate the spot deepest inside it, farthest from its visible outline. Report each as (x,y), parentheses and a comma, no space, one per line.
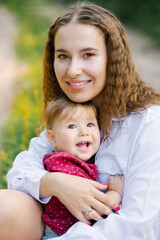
(83,132)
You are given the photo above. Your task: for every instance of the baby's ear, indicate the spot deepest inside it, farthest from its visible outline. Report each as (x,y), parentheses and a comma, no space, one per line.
(51,138)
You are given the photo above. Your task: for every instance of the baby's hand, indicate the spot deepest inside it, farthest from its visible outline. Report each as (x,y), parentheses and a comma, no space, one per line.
(115,183)
(113,197)
(115,189)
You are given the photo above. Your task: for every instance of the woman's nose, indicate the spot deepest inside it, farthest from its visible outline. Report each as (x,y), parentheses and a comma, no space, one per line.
(74,68)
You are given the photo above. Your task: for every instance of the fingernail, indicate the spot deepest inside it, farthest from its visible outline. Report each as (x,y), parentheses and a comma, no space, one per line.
(105,185)
(117,208)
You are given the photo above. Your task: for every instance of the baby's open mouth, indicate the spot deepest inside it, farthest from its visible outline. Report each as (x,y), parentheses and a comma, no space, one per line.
(83,144)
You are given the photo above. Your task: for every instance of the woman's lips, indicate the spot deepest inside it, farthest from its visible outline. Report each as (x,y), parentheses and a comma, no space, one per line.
(79,84)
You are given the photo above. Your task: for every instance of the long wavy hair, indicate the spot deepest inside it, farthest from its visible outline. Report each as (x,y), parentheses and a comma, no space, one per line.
(124,91)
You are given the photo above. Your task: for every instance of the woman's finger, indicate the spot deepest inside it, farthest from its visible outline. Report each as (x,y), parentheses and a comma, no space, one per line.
(105,199)
(83,218)
(92,214)
(98,185)
(100,207)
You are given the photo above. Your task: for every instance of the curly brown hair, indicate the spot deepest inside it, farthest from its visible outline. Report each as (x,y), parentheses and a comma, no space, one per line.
(124,91)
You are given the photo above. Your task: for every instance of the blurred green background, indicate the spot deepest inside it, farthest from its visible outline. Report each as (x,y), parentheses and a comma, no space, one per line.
(143,15)
(33,18)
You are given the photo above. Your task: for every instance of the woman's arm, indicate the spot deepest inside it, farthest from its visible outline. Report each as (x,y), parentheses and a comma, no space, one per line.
(28,175)
(78,194)
(27,170)
(140,208)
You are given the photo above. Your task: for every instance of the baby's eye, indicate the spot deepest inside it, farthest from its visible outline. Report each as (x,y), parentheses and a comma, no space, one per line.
(90,125)
(63,56)
(87,55)
(72,126)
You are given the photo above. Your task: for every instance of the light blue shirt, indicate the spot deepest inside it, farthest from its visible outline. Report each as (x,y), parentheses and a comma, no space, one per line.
(134,151)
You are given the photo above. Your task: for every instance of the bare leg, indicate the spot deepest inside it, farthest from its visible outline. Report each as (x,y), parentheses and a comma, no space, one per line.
(20,216)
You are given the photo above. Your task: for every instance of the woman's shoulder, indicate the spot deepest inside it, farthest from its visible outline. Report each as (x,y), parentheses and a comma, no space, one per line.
(153,110)
(149,114)
(142,116)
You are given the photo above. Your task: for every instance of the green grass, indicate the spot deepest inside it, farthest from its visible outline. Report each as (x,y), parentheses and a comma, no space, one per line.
(25,114)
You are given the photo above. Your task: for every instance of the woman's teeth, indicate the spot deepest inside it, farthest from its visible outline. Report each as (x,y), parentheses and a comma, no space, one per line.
(78,83)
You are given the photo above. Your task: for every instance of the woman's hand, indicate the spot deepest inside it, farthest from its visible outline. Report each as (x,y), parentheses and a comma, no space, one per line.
(79,195)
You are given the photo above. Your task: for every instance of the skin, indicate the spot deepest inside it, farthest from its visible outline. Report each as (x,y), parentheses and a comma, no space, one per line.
(78,135)
(20,216)
(80,66)
(83,60)
(80,61)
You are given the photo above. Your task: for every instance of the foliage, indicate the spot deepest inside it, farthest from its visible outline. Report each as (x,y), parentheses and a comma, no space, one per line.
(21,123)
(143,15)
(32,30)
(25,115)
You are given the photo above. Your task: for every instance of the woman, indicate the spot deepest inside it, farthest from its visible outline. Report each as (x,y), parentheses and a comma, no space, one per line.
(87,58)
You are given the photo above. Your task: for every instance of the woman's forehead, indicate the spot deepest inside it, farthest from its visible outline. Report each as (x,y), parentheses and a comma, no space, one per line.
(75,34)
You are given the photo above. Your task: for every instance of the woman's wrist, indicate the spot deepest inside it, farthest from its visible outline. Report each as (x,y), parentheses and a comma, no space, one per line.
(50,184)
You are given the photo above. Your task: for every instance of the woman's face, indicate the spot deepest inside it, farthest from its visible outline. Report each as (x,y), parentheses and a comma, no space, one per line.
(80,61)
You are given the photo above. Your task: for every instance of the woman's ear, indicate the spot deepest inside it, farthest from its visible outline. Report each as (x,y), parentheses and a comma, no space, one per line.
(51,138)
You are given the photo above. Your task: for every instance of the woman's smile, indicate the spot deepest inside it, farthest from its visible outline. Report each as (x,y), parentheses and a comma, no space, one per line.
(80,61)
(77,85)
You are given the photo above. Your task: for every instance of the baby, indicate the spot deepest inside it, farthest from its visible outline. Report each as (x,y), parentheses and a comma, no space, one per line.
(72,129)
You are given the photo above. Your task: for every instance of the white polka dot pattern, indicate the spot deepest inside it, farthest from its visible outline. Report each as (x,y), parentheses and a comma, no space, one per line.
(56,215)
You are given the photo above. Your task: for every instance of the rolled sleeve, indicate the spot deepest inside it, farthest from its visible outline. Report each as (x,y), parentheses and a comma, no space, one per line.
(27,169)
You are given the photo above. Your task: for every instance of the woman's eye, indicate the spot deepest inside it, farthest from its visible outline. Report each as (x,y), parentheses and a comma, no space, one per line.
(63,56)
(90,125)
(72,126)
(87,55)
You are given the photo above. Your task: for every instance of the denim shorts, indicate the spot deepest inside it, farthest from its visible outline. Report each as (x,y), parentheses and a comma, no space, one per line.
(49,234)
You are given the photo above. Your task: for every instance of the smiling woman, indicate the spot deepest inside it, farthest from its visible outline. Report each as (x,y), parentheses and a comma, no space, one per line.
(93,62)
(80,61)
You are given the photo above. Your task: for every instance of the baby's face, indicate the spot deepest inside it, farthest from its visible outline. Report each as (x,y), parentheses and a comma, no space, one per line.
(78,135)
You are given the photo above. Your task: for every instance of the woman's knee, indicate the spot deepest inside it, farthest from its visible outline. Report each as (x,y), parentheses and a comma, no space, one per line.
(20,216)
